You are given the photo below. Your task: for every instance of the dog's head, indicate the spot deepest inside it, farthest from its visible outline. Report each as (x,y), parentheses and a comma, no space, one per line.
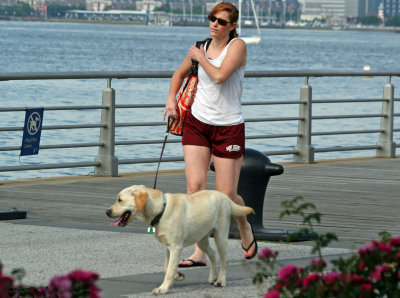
(130,201)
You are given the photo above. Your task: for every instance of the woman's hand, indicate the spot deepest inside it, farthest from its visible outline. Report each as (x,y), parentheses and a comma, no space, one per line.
(171,108)
(195,53)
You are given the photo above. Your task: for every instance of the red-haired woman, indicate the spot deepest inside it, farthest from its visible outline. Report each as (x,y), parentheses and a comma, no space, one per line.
(215,126)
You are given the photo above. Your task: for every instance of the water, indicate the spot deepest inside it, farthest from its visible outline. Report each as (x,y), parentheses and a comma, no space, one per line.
(41,47)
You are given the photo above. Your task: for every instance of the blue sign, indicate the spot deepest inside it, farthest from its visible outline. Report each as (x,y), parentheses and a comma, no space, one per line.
(32,131)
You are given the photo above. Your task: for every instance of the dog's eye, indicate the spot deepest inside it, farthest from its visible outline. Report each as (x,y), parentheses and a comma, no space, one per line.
(119,200)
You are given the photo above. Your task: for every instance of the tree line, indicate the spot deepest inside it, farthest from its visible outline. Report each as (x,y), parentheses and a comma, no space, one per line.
(375,21)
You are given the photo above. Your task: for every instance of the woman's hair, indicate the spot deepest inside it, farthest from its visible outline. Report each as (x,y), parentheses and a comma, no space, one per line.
(233,15)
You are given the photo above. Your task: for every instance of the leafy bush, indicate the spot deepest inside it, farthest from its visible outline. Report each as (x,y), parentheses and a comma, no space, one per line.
(373,272)
(77,284)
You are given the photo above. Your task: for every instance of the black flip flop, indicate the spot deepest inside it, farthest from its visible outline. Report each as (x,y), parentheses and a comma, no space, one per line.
(194,264)
(248,257)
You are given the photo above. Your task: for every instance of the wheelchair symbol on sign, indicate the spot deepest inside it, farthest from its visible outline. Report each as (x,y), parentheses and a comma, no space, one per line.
(33,123)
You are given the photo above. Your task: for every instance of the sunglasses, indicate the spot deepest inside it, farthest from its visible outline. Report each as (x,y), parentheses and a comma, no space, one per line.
(221,22)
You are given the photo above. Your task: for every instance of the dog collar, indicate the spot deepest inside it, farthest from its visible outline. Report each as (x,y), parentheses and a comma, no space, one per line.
(156,219)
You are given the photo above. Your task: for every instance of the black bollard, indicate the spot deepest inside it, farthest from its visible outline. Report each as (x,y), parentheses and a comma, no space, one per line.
(253,181)
(12,214)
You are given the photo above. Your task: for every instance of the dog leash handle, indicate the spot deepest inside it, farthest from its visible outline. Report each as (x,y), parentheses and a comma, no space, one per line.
(163,147)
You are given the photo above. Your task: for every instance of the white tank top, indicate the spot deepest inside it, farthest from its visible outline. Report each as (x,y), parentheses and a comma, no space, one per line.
(219,104)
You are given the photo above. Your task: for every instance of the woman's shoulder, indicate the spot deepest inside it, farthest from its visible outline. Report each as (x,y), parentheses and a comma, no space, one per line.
(237,42)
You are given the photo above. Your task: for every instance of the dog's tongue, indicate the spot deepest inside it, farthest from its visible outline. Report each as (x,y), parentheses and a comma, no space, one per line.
(117,222)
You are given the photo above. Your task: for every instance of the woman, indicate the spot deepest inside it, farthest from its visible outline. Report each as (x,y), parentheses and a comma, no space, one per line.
(215,126)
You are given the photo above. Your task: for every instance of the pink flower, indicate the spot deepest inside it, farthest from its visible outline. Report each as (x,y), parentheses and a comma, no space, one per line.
(395,241)
(85,277)
(6,284)
(376,275)
(94,291)
(266,253)
(43,292)
(383,246)
(346,278)
(367,287)
(272,294)
(61,286)
(366,290)
(311,278)
(318,263)
(278,286)
(370,247)
(361,266)
(288,272)
(331,278)
(357,278)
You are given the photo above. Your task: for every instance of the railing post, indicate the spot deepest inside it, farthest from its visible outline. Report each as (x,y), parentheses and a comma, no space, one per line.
(109,163)
(305,150)
(388,147)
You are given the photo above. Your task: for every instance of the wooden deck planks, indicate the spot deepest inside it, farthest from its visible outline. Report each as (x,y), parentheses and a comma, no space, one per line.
(357,198)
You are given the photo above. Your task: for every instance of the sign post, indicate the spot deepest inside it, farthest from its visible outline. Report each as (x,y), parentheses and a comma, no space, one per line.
(32,131)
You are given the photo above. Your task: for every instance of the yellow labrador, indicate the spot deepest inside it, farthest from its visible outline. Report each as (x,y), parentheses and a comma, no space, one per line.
(181,220)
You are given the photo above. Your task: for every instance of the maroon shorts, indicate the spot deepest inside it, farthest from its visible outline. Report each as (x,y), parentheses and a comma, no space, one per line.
(223,141)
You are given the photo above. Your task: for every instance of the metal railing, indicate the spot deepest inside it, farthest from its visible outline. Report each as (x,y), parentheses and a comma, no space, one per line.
(106,163)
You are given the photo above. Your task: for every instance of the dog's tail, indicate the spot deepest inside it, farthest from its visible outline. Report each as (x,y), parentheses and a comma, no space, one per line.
(237,210)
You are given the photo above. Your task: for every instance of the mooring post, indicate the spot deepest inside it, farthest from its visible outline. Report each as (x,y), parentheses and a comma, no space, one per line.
(305,150)
(108,161)
(255,173)
(387,146)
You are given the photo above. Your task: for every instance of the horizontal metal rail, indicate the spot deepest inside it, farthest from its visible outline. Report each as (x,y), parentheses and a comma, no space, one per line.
(49,127)
(55,108)
(58,146)
(348,116)
(15,76)
(348,100)
(349,148)
(246,103)
(51,166)
(347,132)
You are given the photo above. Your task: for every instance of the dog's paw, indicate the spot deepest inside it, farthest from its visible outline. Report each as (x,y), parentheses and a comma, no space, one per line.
(220,284)
(159,291)
(179,276)
(212,281)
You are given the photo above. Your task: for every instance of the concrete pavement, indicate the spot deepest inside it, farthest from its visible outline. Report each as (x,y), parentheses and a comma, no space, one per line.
(128,260)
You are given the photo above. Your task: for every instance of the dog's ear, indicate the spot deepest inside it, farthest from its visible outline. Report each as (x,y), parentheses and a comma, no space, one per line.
(140,199)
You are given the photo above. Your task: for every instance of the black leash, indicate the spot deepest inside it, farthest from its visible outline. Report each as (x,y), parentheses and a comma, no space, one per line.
(163,147)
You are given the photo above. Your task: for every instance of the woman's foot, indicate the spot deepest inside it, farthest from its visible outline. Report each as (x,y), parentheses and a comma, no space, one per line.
(190,263)
(249,243)
(198,258)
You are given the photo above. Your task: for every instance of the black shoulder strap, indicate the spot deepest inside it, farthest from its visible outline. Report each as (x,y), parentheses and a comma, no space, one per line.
(208,41)
(195,64)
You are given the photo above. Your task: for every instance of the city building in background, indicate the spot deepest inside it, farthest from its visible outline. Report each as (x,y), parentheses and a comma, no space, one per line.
(345,10)
(97,5)
(37,5)
(390,8)
(149,5)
